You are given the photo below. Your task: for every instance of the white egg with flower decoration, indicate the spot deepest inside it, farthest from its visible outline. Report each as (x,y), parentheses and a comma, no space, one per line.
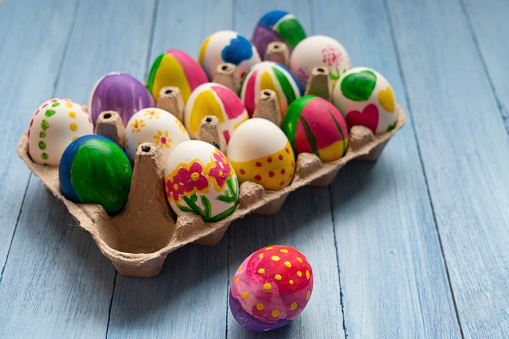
(199,178)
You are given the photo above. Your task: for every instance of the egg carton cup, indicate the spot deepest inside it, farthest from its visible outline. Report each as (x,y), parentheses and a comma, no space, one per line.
(139,238)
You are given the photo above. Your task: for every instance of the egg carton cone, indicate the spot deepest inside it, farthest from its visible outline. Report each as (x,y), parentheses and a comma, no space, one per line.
(140,237)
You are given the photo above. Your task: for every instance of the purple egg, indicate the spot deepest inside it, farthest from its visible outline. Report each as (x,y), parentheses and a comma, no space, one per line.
(119,92)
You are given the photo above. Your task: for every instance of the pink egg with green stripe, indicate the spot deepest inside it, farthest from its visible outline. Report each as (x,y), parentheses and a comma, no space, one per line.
(314,125)
(273,76)
(218,100)
(175,68)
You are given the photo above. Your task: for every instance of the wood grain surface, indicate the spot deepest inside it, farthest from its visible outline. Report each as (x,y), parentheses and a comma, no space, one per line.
(414,245)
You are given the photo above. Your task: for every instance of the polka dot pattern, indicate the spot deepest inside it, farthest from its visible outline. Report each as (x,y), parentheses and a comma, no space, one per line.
(273,171)
(274,285)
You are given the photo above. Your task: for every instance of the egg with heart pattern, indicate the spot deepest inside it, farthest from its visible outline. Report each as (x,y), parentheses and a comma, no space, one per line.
(365,97)
(271,288)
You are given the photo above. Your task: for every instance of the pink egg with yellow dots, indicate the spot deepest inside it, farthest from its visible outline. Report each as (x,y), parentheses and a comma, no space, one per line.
(260,152)
(55,124)
(218,100)
(271,288)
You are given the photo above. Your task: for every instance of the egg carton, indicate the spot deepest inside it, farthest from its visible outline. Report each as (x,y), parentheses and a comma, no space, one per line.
(139,238)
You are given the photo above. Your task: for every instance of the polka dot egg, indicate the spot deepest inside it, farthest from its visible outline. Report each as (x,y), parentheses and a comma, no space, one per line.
(56,124)
(277,26)
(318,51)
(273,76)
(260,152)
(227,46)
(364,97)
(199,179)
(271,288)
(314,125)
(175,68)
(218,100)
(157,126)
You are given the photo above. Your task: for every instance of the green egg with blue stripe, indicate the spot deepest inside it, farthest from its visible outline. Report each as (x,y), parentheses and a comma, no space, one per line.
(95,170)
(314,125)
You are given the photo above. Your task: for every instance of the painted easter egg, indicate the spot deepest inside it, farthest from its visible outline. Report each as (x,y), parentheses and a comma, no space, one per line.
(198,178)
(175,68)
(95,170)
(271,288)
(55,124)
(157,126)
(227,46)
(269,75)
(277,26)
(314,125)
(364,97)
(318,51)
(260,152)
(218,100)
(121,93)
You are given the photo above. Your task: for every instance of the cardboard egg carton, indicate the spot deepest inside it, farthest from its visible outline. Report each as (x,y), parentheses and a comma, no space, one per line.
(139,238)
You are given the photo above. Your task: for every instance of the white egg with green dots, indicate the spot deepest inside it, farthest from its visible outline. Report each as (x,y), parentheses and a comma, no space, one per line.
(55,124)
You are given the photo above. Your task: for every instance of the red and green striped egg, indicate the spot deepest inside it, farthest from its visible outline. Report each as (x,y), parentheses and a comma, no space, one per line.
(314,125)
(365,98)
(273,76)
(175,68)
(218,100)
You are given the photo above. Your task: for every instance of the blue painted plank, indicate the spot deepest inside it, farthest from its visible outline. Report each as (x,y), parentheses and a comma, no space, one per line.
(189,297)
(305,223)
(32,43)
(491,39)
(465,153)
(392,272)
(56,282)
(44,276)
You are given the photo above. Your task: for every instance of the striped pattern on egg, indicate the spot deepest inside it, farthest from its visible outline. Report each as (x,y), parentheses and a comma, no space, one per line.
(273,76)
(175,68)
(55,124)
(218,100)
(314,125)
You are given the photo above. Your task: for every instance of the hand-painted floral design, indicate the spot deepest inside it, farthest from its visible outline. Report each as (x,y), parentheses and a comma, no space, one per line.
(137,125)
(331,56)
(190,182)
(219,170)
(152,114)
(181,127)
(190,178)
(162,139)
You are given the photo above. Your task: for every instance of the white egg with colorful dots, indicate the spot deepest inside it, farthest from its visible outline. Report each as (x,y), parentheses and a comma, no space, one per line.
(198,178)
(157,126)
(55,124)
(364,97)
(260,152)
(319,51)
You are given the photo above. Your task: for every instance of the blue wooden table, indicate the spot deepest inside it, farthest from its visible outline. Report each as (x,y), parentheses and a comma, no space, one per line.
(413,245)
